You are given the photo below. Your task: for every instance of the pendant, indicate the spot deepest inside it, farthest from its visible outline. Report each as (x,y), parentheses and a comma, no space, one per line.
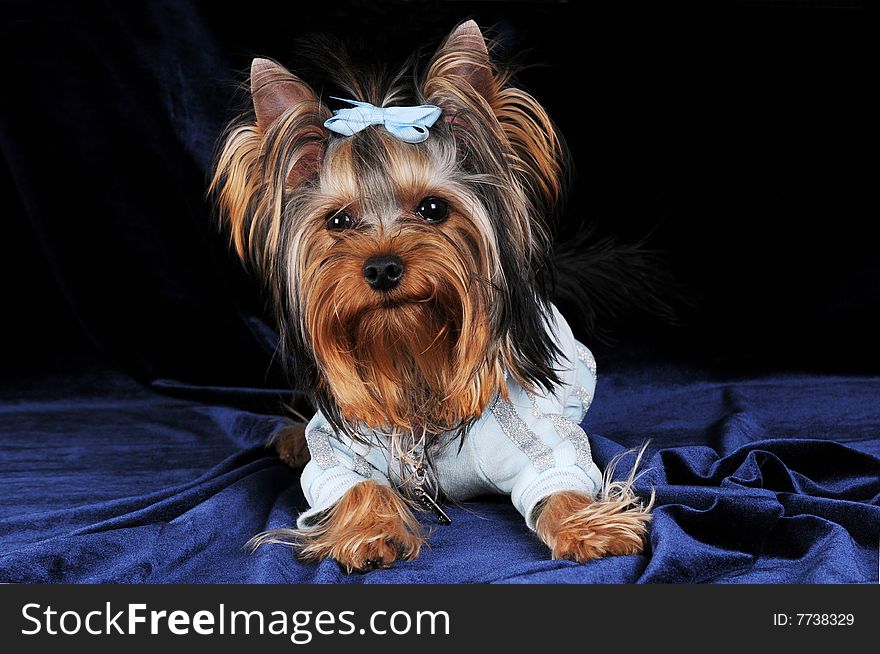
(431,505)
(426,500)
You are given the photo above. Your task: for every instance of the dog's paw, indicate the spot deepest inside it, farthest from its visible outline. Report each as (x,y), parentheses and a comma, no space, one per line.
(370,527)
(290,443)
(372,551)
(579,528)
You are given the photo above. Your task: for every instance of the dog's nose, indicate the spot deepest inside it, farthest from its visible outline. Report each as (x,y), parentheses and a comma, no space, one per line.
(383,271)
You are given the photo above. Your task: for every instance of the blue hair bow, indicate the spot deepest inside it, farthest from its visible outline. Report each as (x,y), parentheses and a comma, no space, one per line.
(409,124)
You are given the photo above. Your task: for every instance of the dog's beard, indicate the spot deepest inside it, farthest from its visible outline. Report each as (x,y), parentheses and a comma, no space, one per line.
(422,360)
(405,353)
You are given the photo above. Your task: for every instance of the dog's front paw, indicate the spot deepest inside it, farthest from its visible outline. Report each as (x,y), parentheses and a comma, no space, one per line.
(371,551)
(578,528)
(369,527)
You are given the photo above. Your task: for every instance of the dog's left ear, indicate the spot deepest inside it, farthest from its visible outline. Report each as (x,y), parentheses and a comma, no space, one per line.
(479,103)
(461,72)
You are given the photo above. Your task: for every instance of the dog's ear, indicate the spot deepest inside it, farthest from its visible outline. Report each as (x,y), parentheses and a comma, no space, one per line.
(260,160)
(461,72)
(461,69)
(483,108)
(282,100)
(275,90)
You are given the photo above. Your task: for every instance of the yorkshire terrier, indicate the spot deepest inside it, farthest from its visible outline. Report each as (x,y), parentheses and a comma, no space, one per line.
(405,240)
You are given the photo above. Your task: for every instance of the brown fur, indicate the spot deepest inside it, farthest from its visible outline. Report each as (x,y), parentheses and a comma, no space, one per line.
(580,528)
(464,80)
(369,527)
(576,527)
(422,354)
(288,128)
(290,443)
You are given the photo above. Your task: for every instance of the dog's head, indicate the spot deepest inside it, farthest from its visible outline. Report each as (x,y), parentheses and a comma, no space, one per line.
(408,278)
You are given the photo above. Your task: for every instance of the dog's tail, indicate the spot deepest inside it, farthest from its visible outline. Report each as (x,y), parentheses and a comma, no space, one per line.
(599,281)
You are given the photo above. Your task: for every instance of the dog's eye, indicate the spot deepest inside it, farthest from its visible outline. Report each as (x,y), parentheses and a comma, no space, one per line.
(434,210)
(339,221)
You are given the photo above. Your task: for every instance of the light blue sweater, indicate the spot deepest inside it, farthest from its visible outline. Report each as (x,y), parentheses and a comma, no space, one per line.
(527,447)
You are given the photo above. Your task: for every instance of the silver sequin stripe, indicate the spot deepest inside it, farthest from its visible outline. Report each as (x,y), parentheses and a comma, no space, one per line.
(581,393)
(524,438)
(361,466)
(584,396)
(569,430)
(587,358)
(320,448)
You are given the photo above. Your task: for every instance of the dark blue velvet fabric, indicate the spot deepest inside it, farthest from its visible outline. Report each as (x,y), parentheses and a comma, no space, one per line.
(757,480)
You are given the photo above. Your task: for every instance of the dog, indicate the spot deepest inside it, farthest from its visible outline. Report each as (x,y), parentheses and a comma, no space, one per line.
(405,241)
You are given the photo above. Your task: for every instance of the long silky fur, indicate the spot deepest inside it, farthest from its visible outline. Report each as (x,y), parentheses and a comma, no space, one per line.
(615,522)
(369,523)
(269,184)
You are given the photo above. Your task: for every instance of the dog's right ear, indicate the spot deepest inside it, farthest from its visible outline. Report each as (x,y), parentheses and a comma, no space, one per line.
(259,160)
(274,91)
(288,110)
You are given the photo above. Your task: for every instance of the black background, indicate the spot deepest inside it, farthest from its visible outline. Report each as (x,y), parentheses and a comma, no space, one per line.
(743,139)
